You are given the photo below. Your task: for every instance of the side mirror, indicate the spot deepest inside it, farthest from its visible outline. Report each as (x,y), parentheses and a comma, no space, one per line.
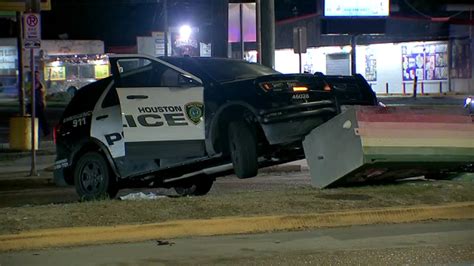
(187,81)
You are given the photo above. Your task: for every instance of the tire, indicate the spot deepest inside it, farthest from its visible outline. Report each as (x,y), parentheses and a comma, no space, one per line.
(93,179)
(243,149)
(197,187)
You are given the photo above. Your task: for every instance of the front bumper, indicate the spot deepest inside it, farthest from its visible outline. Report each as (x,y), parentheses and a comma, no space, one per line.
(291,123)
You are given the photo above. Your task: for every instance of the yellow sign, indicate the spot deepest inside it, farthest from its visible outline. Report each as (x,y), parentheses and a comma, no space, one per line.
(101,71)
(55,73)
(19,5)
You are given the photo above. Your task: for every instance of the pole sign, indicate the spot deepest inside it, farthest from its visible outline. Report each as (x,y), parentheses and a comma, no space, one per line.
(300,43)
(32,30)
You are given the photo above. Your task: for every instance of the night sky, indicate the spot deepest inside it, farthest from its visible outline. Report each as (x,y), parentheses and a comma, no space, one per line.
(118,22)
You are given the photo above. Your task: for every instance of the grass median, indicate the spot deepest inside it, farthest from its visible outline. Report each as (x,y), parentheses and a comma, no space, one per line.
(280,201)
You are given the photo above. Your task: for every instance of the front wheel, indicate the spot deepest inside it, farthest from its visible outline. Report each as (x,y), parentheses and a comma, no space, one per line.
(197,187)
(93,179)
(243,149)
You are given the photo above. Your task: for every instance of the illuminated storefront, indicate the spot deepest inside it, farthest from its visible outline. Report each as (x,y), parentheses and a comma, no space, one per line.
(69,73)
(65,65)
(388,66)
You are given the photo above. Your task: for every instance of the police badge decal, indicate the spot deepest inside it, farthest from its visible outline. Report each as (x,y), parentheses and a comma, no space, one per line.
(194,112)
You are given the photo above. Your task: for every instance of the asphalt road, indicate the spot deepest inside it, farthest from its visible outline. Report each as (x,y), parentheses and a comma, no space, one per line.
(420,243)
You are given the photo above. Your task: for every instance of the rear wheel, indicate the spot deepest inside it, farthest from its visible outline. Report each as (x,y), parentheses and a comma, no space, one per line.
(243,149)
(197,187)
(93,179)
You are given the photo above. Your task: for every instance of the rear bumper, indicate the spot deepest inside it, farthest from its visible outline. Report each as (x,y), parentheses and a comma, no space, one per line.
(291,123)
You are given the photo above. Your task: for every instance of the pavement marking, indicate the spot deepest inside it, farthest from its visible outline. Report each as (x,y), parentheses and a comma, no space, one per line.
(77,236)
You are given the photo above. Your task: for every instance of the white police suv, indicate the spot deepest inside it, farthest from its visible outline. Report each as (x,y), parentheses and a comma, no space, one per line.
(182,121)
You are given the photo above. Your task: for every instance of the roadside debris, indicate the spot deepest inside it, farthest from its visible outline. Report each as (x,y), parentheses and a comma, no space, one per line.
(142,196)
(164,243)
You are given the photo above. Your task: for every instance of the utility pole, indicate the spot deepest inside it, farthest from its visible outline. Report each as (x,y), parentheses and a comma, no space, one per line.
(241,30)
(33,6)
(258,11)
(219,33)
(165,23)
(268,32)
(353,54)
(19,47)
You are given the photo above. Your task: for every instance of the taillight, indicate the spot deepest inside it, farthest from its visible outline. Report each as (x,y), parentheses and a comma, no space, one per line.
(274,86)
(266,86)
(56,132)
(284,86)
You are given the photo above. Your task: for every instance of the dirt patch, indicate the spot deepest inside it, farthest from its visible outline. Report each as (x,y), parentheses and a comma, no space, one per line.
(279,201)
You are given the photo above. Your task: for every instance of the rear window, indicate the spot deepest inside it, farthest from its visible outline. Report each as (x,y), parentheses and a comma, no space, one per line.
(86,98)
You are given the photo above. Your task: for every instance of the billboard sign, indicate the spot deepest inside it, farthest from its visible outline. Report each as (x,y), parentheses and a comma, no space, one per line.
(356,8)
(427,61)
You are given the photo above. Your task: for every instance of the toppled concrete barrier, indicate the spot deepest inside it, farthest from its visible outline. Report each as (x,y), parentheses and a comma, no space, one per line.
(373,143)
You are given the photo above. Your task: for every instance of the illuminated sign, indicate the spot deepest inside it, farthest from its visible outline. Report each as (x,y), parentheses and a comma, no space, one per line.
(19,5)
(356,8)
(101,71)
(55,73)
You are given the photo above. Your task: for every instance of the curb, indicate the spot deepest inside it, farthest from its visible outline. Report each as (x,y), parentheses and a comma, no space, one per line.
(77,236)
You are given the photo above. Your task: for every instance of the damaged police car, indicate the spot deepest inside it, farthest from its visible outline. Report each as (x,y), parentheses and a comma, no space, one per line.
(178,122)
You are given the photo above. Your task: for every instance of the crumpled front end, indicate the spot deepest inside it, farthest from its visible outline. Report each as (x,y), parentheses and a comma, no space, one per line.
(291,123)
(298,103)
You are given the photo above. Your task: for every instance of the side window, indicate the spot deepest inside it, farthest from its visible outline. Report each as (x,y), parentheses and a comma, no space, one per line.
(170,78)
(142,72)
(135,72)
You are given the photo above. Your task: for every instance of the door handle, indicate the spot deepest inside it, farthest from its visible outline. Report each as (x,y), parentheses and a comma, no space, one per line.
(101,117)
(137,97)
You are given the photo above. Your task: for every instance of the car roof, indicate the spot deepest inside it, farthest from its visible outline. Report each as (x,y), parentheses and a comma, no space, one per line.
(156,59)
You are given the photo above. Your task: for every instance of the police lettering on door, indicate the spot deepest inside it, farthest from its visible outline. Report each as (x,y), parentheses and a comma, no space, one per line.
(157,116)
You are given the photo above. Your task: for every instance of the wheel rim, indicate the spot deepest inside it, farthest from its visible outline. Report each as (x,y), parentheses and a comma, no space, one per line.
(92,177)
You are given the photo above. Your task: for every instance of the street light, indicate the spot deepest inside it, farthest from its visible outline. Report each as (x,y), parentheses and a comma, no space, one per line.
(185,32)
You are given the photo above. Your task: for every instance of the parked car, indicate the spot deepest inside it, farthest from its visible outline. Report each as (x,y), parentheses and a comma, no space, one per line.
(180,121)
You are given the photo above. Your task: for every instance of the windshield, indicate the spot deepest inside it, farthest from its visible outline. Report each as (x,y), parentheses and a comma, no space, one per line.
(223,70)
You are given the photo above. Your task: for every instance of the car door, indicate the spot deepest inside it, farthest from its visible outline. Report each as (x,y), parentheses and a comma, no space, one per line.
(162,108)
